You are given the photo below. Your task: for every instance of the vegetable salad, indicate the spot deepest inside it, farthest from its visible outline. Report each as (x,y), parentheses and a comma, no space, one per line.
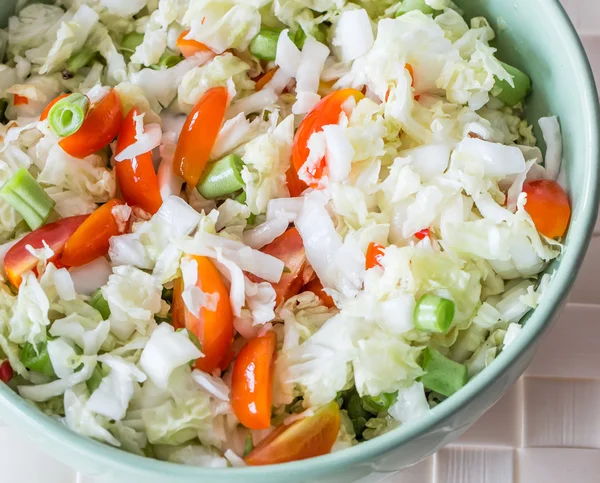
(245,233)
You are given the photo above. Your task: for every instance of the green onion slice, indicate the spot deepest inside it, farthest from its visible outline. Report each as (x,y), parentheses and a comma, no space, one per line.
(28,198)
(68,114)
(222,178)
(434,314)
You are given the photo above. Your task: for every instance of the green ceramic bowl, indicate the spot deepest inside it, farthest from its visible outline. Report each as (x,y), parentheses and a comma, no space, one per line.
(536,36)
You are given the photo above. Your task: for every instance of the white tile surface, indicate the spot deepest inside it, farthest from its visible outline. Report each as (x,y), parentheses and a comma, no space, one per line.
(556,465)
(469,464)
(561,413)
(555,403)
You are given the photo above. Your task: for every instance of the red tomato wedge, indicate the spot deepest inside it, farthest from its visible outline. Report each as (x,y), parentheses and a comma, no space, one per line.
(420,235)
(199,134)
(91,239)
(548,206)
(137,179)
(264,79)
(251,383)
(288,248)
(214,329)
(6,372)
(18,260)
(374,252)
(190,47)
(20,100)
(315,286)
(46,111)
(326,112)
(306,438)
(100,127)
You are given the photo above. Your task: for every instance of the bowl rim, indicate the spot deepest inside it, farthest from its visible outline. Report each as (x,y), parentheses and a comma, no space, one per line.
(540,320)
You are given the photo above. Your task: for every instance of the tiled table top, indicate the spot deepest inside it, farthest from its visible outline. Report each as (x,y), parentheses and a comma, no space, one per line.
(545,430)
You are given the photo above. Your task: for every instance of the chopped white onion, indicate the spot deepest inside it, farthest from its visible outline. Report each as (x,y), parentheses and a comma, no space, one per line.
(64,285)
(291,207)
(288,57)
(256,102)
(168,182)
(213,385)
(314,55)
(97,93)
(339,153)
(231,135)
(181,217)
(266,232)
(553,138)
(145,142)
(353,34)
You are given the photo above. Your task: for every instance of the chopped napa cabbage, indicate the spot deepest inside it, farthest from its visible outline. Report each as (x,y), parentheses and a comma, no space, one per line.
(411,404)
(215,73)
(82,420)
(30,314)
(266,160)
(133,297)
(112,397)
(166,351)
(222,24)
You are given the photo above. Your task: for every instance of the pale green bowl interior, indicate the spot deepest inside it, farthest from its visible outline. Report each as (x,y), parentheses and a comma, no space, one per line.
(534,35)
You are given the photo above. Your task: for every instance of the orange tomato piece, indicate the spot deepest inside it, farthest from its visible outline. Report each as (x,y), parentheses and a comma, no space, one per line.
(264,79)
(326,112)
(20,100)
(91,239)
(306,438)
(46,111)
(315,286)
(199,134)
(190,47)
(100,127)
(374,253)
(548,206)
(19,260)
(288,248)
(252,380)
(214,328)
(137,179)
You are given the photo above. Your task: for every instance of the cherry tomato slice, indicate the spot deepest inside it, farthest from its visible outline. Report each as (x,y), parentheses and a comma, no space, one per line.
(326,112)
(91,239)
(46,111)
(315,286)
(288,248)
(6,372)
(190,47)
(137,179)
(20,100)
(251,383)
(199,134)
(19,260)
(214,328)
(100,127)
(374,253)
(548,206)
(420,235)
(306,438)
